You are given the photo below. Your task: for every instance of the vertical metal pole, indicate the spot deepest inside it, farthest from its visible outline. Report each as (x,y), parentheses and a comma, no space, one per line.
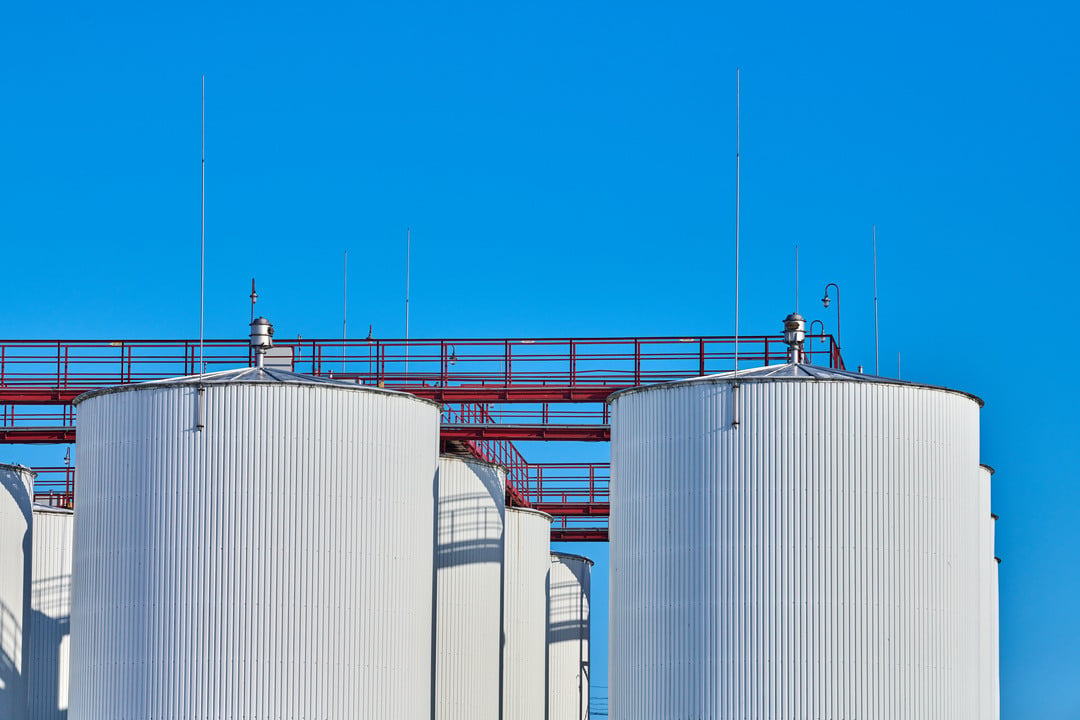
(200,416)
(738,143)
(344,309)
(877,366)
(202,233)
(408,250)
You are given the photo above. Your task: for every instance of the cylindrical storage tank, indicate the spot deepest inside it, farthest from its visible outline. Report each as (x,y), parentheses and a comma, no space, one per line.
(569,590)
(16,521)
(525,582)
(276,563)
(987,611)
(995,637)
(797,542)
(468,589)
(50,614)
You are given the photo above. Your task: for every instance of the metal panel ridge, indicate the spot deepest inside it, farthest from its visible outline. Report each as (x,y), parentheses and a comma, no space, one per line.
(276,564)
(820,559)
(569,591)
(468,589)
(528,560)
(16,524)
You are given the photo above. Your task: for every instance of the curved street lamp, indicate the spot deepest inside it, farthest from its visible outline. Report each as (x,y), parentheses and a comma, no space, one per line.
(826,300)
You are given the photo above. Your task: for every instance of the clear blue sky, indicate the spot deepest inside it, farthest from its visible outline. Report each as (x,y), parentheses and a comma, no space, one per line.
(568,169)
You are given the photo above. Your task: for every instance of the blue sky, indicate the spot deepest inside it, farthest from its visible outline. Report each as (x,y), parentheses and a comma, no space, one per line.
(568,169)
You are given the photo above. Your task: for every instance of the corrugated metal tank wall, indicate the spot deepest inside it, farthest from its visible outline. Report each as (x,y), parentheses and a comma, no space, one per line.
(15,557)
(569,589)
(468,589)
(819,560)
(995,630)
(987,611)
(277,564)
(528,560)
(50,614)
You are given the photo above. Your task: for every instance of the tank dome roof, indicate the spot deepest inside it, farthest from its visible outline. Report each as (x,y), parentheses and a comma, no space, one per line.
(796,372)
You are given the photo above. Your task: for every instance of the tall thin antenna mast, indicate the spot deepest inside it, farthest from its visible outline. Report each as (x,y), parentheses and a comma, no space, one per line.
(408,249)
(202,234)
(344,309)
(738,141)
(877,365)
(796,278)
(200,409)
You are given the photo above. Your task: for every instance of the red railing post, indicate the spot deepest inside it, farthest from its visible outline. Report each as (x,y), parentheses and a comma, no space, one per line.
(701,356)
(637,362)
(573,363)
(506,365)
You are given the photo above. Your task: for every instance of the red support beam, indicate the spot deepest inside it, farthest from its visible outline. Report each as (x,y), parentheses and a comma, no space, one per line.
(579,535)
(37,435)
(561,509)
(495,431)
(498,431)
(38,395)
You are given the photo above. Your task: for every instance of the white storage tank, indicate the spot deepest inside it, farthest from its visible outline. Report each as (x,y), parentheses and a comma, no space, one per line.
(276,563)
(988,696)
(468,589)
(528,560)
(50,614)
(16,497)
(569,590)
(794,542)
(995,631)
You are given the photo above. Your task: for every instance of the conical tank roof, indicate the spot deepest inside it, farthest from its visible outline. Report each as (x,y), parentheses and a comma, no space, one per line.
(794,372)
(248,375)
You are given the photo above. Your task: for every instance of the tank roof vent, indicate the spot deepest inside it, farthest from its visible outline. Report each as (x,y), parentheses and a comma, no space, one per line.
(794,336)
(262,338)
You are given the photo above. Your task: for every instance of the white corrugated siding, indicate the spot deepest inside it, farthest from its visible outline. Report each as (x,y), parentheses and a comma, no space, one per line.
(569,588)
(528,559)
(819,560)
(50,604)
(987,611)
(995,637)
(15,554)
(468,589)
(277,564)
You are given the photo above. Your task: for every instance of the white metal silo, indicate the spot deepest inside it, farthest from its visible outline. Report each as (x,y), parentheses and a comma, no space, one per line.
(276,563)
(794,542)
(16,522)
(50,613)
(995,631)
(528,560)
(988,698)
(569,591)
(468,589)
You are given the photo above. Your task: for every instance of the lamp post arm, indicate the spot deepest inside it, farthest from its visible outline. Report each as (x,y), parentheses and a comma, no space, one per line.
(837,288)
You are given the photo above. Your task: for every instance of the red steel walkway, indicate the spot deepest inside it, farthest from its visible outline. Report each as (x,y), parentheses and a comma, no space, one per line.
(494,391)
